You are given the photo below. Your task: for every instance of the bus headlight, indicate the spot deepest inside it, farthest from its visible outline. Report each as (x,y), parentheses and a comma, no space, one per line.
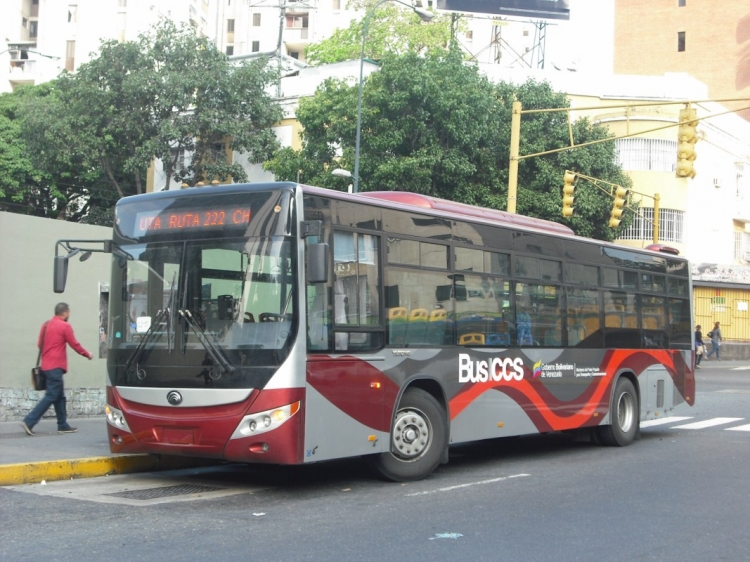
(116,418)
(263,422)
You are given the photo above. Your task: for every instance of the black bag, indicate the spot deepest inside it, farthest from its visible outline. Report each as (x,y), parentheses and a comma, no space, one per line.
(38,380)
(710,334)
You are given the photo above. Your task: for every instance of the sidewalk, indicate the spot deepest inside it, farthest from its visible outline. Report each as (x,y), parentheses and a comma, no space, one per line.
(49,455)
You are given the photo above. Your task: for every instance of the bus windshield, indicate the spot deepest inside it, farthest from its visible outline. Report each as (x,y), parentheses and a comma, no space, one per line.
(219,304)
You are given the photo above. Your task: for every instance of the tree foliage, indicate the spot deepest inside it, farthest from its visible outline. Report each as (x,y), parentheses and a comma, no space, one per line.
(434,125)
(170,96)
(60,189)
(392,29)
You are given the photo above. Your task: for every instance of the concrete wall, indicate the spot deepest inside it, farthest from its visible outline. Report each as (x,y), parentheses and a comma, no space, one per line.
(27,246)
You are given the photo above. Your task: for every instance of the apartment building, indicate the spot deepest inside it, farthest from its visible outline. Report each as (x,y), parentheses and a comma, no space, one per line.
(45,37)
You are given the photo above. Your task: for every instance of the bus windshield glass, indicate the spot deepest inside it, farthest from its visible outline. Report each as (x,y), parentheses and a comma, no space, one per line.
(188,310)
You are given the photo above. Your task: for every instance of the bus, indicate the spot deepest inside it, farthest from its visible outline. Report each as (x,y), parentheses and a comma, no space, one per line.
(288,324)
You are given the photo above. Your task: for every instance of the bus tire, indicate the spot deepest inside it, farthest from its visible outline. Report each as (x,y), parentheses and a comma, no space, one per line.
(419,437)
(624,416)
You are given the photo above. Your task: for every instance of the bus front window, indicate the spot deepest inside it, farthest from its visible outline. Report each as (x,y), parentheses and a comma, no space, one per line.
(192,296)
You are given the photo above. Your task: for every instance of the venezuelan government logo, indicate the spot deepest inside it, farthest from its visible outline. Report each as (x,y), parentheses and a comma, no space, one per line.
(537,368)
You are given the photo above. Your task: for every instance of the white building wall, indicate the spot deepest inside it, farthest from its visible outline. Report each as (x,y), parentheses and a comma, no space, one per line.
(91,22)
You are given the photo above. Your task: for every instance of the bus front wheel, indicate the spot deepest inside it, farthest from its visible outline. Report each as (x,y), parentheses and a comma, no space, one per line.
(624,416)
(418,438)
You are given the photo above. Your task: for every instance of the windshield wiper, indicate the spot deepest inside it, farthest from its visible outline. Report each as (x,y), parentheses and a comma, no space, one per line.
(170,316)
(215,352)
(147,337)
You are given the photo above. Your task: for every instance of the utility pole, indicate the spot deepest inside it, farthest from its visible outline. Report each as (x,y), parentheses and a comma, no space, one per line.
(515,140)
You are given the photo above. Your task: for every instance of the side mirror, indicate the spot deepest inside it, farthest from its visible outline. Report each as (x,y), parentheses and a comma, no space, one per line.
(60,273)
(317,263)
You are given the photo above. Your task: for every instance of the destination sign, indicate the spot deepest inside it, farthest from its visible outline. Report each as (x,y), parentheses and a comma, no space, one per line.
(150,222)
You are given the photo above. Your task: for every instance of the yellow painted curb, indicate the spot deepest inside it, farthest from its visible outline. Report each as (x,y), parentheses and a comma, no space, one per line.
(35,472)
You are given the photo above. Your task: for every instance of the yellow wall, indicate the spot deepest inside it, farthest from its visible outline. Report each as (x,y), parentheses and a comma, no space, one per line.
(735,324)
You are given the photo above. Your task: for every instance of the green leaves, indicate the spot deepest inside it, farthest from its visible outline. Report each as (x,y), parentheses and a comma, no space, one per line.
(165,95)
(392,29)
(433,124)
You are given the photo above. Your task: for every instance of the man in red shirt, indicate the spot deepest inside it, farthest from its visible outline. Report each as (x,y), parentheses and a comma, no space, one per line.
(53,337)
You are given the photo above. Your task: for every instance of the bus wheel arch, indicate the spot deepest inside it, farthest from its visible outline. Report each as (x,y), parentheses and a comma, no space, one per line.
(419,435)
(624,413)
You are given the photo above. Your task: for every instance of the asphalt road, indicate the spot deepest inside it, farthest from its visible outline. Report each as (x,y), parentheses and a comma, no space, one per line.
(679,494)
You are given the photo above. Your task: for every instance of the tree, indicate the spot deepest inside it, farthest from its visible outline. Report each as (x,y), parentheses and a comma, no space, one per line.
(434,125)
(392,29)
(60,189)
(171,96)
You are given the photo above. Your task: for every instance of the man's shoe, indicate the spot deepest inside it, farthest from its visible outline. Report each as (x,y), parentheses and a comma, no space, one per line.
(67,430)
(27,429)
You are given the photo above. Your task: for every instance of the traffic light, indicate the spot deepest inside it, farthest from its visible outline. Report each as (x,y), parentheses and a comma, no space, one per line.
(686,139)
(618,207)
(569,189)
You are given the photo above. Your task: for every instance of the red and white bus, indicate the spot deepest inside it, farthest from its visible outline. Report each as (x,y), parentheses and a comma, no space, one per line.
(288,324)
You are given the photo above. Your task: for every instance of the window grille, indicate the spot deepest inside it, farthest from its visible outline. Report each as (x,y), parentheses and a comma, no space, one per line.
(742,246)
(656,155)
(671,223)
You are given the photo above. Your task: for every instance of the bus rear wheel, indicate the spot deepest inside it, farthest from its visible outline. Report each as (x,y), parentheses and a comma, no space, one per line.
(418,438)
(624,415)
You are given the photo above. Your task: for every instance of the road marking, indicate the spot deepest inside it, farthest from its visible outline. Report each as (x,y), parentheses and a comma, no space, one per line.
(662,421)
(116,489)
(707,423)
(458,487)
(740,368)
(739,428)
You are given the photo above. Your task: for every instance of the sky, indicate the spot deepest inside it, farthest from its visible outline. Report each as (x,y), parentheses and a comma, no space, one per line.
(586,39)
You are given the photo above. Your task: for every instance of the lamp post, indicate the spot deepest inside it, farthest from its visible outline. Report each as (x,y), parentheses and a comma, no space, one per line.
(341,173)
(425,16)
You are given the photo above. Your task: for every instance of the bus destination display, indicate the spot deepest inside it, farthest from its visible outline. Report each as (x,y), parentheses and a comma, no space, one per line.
(187,219)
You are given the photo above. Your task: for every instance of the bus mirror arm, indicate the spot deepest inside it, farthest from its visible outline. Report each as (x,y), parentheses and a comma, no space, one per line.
(73,248)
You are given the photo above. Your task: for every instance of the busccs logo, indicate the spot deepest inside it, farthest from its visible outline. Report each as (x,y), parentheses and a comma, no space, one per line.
(537,368)
(496,369)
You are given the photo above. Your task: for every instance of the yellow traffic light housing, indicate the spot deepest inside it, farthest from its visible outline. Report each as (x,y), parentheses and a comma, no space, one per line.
(686,139)
(618,206)
(569,190)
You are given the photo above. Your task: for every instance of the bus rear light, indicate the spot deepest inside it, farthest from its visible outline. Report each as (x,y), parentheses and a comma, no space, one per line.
(262,422)
(116,419)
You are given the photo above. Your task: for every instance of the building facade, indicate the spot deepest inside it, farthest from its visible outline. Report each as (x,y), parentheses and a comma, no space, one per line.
(45,37)
(710,40)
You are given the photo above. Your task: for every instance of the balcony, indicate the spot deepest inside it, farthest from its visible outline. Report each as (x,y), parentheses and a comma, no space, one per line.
(23,71)
(296,38)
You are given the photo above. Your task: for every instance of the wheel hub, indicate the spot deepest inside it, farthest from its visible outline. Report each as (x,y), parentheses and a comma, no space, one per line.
(411,434)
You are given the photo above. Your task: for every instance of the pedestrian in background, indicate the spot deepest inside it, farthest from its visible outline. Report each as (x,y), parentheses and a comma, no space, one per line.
(54,336)
(716,340)
(699,348)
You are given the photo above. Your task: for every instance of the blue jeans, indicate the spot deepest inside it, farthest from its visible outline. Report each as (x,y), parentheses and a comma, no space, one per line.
(715,347)
(54,396)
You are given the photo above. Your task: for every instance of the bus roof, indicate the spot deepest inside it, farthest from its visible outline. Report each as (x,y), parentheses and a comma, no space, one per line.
(405,199)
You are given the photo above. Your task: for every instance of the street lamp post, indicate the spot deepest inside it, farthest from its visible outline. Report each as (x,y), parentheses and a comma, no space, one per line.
(425,16)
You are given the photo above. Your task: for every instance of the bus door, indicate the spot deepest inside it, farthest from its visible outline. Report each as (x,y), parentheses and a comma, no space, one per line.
(345,337)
